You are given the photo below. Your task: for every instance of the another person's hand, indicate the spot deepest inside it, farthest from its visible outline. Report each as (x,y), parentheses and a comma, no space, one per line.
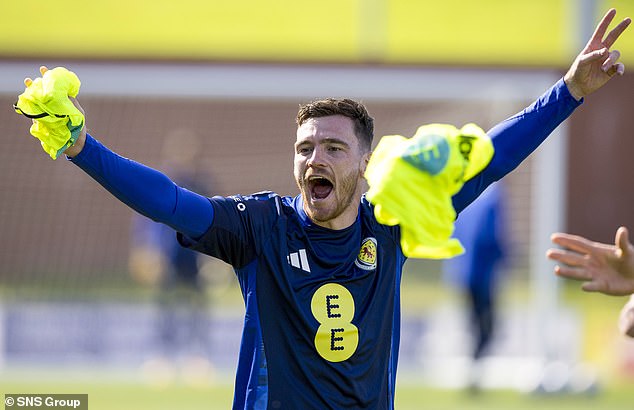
(596,63)
(604,268)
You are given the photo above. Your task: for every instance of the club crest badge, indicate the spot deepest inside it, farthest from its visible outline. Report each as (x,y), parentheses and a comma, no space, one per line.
(367,255)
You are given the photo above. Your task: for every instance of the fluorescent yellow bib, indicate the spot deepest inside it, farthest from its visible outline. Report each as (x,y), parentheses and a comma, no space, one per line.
(413,179)
(56,121)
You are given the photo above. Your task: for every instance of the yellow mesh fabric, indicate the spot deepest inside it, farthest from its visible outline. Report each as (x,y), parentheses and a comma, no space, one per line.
(413,179)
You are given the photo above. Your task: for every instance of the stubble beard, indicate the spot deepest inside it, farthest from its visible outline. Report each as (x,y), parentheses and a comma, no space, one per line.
(344,195)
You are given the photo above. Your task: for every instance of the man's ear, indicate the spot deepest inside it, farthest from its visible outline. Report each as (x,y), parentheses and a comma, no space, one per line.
(364,161)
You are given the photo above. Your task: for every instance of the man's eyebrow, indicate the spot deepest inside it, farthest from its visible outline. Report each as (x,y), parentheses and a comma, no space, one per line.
(328,140)
(333,140)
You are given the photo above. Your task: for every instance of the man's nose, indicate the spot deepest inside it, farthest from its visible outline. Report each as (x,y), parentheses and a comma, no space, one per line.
(316,158)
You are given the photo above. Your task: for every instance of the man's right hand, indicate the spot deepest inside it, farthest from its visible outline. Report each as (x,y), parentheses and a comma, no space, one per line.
(58,120)
(76,148)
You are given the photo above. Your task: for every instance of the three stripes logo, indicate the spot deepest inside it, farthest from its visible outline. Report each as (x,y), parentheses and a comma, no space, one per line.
(299,260)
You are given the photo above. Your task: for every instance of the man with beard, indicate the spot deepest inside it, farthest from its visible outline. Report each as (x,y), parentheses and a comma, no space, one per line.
(319,275)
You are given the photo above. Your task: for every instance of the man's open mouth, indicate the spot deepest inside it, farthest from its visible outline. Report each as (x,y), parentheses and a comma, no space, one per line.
(319,187)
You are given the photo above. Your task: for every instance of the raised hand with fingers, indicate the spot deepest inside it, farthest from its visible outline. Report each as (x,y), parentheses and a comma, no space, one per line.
(604,268)
(596,63)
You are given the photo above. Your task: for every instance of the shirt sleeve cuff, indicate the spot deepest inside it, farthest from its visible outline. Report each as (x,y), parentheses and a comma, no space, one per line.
(563,88)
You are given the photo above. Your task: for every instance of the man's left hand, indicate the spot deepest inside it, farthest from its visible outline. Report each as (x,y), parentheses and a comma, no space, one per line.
(596,63)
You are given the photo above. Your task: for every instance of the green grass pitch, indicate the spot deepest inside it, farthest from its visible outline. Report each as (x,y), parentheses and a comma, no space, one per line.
(131,395)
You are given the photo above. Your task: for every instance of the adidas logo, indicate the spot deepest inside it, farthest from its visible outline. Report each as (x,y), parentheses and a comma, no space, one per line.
(299,260)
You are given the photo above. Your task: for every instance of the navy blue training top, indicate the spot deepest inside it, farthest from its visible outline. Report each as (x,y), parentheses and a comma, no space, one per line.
(322,320)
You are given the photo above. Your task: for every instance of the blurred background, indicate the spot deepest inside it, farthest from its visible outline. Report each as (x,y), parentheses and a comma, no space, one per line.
(83,305)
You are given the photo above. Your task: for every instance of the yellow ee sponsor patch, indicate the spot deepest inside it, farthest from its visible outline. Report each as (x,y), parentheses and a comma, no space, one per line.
(333,307)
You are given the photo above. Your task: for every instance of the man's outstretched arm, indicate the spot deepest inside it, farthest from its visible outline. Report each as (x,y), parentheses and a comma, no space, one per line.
(518,136)
(146,190)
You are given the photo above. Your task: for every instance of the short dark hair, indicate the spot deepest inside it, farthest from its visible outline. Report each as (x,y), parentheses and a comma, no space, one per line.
(363,122)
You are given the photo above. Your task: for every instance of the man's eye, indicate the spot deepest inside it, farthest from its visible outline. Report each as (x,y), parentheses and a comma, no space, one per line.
(334,149)
(304,150)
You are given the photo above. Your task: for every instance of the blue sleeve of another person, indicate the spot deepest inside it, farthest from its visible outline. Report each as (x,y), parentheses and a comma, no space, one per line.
(517,137)
(146,190)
